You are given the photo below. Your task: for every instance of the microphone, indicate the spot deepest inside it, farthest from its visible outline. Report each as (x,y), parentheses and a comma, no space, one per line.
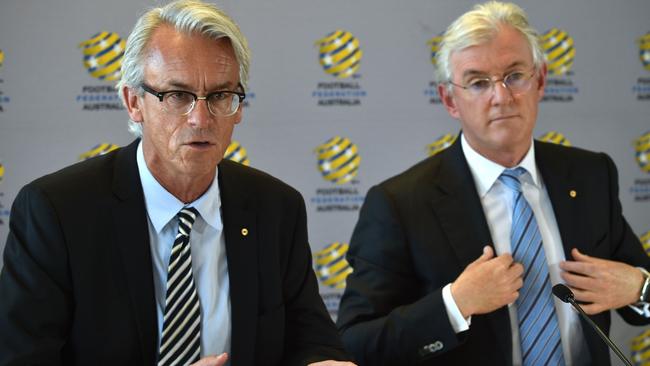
(565,294)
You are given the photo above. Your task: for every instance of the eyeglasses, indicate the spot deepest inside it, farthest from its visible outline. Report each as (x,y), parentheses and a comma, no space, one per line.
(221,103)
(518,82)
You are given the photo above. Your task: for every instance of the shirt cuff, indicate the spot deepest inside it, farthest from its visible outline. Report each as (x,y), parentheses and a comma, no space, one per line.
(641,308)
(458,323)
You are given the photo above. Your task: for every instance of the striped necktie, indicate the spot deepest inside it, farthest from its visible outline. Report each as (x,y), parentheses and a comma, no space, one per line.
(539,332)
(181,333)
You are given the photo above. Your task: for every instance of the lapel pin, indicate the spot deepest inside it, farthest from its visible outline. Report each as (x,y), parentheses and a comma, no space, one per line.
(573,193)
(244,231)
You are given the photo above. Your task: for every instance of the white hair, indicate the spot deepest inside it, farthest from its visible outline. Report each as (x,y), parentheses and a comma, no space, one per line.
(480,25)
(188,17)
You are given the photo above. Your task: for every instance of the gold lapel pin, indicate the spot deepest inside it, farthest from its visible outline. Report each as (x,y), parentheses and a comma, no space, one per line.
(573,193)
(244,231)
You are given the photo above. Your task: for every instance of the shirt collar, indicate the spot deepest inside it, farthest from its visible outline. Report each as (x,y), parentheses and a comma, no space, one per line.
(162,206)
(485,172)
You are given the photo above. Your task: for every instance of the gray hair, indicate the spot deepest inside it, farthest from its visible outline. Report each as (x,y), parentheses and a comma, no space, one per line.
(480,25)
(187,16)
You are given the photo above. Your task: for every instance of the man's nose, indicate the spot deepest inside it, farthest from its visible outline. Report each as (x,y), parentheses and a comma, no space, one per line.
(501,93)
(200,115)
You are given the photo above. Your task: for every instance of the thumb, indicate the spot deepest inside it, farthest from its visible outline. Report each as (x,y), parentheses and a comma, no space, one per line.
(212,360)
(221,359)
(578,256)
(488,253)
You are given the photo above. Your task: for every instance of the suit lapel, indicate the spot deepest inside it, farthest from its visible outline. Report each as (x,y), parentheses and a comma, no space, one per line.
(558,181)
(240,231)
(457,202)
(130,220)
(458,208)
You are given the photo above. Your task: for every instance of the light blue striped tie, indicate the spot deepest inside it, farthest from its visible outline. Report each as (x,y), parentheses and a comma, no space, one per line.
(538,326)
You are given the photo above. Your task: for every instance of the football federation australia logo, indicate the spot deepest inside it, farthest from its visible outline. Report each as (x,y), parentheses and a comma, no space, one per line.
(644,50)
(559,50)
(440,144)
(642,148)
(640,348)
(2,58)
(237,153)
(555,138)
(2,172)
(102,55)
(339,54)
(434,43)
(645,241)
(331,266)
(338,160)
(97,150)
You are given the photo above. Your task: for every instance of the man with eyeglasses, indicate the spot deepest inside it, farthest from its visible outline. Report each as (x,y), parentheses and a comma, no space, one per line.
(162,252)
(455,258)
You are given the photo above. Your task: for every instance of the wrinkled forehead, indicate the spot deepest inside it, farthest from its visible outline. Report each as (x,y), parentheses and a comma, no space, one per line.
(176,57)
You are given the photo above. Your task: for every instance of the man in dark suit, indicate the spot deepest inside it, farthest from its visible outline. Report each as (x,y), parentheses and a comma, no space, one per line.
(454,259)
(94,270)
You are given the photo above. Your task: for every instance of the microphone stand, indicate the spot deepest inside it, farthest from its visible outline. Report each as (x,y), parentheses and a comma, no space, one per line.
(567,296)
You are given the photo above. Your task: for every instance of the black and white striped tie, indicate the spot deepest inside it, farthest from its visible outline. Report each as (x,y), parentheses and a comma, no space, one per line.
(181,333)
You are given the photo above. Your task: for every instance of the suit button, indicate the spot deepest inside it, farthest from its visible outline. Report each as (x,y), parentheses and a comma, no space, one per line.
(432,348)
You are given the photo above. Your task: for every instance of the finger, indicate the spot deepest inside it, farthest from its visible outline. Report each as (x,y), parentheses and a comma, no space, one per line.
(212,360)
(584,295)
(512,288)
(593,308)
(583,268)
(513,274)
(579,256)
(487,254)
(519,283)
(579,281)
(221,359)
(505,259)
(516,270)
(512,298)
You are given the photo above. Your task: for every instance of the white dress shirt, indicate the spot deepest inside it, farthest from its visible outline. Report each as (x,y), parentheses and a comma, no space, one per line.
(498,203)
(209,264)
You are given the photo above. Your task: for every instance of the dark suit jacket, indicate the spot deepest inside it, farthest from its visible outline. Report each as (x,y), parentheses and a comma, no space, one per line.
(77,283)
(419,230)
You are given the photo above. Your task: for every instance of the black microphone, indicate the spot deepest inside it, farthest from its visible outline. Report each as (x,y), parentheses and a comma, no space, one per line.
(565,294)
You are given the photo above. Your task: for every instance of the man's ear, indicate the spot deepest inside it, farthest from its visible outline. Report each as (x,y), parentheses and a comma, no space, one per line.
(541,81)
(239,114)
(448,100)
(133,103)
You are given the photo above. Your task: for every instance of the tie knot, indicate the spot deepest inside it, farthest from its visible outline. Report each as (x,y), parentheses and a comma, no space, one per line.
(510,177)
(186,217)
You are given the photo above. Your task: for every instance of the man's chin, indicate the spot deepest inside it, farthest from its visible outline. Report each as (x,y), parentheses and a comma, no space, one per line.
(199,162)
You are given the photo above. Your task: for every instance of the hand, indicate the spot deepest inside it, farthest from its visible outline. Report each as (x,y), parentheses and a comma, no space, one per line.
(332,363)
(212,360)
(601,283)
(487,284)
